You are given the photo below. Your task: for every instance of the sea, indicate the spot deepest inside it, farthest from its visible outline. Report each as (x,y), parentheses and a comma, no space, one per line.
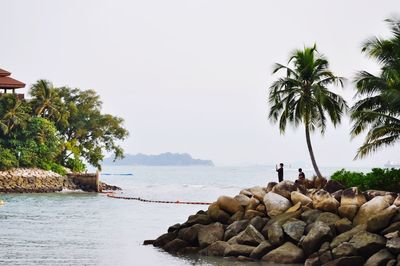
(79,228)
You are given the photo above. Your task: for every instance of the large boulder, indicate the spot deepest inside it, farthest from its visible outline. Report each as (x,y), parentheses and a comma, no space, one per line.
(250,236)
(352,196)
(262,249)
(345,249)
(209,234)
(165,238)
(198,219)
(332,186)
(258,192)
(218,215)
(348,211)
(393,245)
(284,188)
(286,254)
(296,197)
(381,220)
(319,233)
(324,201)
(294,228)
(379,258)
(370,208)
(346,236)
(258,222)
(235,228)
(276,204)
(189,234)
(242,199)
(343,225)
(236,250)
(215,249)
(229,205)
(367,243)
(175,245)
(275,234)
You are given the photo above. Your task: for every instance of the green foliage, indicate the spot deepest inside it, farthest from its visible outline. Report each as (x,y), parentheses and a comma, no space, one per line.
(378,178)
(57,128)
(7,159)
(378,110)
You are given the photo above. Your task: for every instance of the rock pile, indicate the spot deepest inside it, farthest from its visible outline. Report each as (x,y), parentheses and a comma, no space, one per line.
(288,223)
(33,180)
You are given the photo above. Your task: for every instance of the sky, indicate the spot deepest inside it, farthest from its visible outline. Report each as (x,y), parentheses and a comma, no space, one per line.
(193,76)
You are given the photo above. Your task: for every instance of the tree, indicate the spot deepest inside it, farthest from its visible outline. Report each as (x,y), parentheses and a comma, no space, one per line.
(14,113)
(87,132)
(302,95)
(46,101)
(378,110)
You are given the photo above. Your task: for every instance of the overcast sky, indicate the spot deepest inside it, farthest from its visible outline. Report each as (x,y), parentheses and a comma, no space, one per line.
(192,76)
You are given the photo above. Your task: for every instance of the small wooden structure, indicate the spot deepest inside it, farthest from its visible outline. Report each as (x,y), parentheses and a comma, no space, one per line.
(7,83)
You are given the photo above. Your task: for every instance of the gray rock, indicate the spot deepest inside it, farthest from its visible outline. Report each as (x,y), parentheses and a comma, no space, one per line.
(344,250)
(262,249)
(391,262)
(370,208)
(198,219)
(343,225)
(235,228)
(328,218)
(346,236)
(275,234)
(284,188)
(259,222)
(285,254)
(312,261)
(348,211)
(294,228)
(175,245)
(367,243)
(174,227)
(218,215)
(189,234)
(238,250)
(393,245)
(319,234)
(346,261)
(276,204)
(381,219)
(250,236)
(209,234)
(310,216)
(215,249)
(242,199)
(379,258)
(236,217)
(165,238)
(391,228)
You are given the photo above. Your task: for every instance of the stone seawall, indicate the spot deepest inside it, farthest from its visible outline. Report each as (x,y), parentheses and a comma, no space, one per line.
(23,180)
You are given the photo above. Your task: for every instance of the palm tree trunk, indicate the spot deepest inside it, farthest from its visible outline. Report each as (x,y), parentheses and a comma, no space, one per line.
(310,149)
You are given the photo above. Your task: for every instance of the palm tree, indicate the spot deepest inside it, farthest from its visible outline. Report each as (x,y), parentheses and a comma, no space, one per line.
(46,100)
(15,115)
(379,109)
(302,95)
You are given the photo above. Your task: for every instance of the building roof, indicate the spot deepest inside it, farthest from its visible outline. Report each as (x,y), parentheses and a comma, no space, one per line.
(7,82)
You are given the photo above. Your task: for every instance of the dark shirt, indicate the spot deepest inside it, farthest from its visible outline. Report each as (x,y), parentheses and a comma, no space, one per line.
(301,175)
(280,174)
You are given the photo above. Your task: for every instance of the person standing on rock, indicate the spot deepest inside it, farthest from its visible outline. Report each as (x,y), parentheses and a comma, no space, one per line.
(280,172)
(302,176)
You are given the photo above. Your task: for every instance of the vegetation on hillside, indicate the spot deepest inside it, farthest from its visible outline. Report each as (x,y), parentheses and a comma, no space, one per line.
(57,128)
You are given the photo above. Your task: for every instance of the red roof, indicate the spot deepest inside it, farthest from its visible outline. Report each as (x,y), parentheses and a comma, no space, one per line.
(9,83)
(4,73)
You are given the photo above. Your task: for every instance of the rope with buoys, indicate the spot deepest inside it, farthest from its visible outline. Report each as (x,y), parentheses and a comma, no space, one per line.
(112,195)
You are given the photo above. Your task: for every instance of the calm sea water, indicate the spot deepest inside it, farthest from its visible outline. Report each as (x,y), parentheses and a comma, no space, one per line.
(79,228)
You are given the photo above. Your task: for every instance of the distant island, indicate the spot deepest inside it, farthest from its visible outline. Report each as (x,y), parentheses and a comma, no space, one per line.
(163,159)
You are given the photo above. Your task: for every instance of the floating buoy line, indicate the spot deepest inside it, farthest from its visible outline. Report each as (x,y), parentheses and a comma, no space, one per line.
(113,195)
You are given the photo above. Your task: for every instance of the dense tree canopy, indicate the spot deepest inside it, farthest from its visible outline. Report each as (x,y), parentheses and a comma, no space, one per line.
(56,128)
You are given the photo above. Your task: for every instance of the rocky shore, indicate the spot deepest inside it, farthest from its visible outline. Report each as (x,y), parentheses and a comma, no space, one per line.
(33,180)
(316,223)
